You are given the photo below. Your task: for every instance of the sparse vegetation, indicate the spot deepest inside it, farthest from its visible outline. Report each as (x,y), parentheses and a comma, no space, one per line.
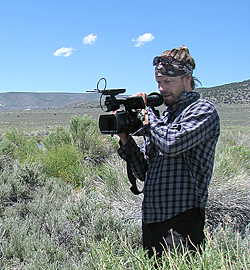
(228,94)
(66,204)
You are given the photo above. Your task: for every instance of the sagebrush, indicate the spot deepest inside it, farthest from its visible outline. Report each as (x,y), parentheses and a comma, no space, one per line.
(65,204)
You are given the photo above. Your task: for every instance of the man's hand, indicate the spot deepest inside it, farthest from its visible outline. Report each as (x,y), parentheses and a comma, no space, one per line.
(123,136)
(143,111)
(143,95)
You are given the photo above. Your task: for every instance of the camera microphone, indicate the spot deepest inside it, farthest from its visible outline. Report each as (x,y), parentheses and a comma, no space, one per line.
(154,99)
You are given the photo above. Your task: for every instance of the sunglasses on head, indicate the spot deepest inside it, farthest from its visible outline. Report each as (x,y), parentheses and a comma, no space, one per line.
(165,60)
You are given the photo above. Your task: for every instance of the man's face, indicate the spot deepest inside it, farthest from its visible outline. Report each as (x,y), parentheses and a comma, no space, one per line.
(171,89)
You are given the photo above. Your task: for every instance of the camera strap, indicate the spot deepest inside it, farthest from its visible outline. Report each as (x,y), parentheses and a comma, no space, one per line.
(131,177)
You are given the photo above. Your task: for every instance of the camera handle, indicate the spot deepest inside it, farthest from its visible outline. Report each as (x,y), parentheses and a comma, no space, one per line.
(131,177)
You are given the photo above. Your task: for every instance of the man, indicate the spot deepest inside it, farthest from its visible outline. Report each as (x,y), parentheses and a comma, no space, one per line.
(176,160)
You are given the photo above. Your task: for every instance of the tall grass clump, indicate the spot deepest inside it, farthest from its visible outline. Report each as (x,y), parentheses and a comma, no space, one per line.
(223,252)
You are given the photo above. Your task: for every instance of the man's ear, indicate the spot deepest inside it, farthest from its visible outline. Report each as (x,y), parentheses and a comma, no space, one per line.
(187,78)
(187,82)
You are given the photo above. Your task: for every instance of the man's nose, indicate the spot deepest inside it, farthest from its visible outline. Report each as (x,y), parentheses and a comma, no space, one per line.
(160,88)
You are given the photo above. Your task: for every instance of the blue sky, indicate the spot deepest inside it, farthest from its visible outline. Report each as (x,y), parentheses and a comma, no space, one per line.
(67,45)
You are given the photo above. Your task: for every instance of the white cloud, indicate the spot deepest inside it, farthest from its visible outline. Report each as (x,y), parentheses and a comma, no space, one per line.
(64,51)
(90,39)
(143,39)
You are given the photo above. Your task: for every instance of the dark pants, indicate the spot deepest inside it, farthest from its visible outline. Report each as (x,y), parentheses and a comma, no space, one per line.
(183,227)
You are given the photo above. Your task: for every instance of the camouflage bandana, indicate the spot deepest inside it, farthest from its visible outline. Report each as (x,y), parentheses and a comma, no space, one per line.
(169,66)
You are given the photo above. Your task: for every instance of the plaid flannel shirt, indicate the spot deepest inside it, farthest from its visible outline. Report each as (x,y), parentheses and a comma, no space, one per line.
(176,160)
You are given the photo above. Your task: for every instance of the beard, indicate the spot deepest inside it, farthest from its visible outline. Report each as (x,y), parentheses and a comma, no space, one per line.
(171,100)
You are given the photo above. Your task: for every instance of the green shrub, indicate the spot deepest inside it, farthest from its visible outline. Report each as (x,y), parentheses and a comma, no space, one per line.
(16,146)
(57,137)
(63,161)
(16,137)
(87,137)
(12,144)
(30,151)
(7,148)
(19,183)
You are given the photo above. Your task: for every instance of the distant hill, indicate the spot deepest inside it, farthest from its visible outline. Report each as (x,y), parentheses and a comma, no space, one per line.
(230,94)
(12,101)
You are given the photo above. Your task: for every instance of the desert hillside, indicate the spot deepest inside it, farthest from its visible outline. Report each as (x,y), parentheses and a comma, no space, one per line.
(232,94)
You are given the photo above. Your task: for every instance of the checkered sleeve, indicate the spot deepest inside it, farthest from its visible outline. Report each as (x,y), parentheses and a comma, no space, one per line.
(196,124)
(139,159)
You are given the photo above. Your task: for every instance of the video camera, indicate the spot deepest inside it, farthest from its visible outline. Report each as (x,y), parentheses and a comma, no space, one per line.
(128,120)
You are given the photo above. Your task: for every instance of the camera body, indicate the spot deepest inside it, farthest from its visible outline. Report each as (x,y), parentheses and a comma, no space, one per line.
(123,121)
(128,120)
